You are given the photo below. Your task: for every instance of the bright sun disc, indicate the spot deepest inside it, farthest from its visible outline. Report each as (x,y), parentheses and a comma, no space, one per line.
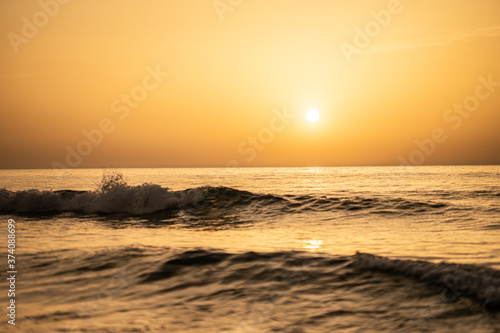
(312,116)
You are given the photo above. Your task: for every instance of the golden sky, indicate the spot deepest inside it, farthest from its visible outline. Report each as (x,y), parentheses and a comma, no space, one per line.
(122,83)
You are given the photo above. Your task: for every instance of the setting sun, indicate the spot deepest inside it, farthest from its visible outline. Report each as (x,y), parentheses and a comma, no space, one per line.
(312,116)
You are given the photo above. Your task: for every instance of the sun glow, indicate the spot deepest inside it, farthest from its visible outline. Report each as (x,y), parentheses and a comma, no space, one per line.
(312,116)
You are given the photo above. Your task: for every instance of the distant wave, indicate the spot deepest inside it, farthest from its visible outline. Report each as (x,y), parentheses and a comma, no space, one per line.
(135,200)
(115,196)
(485,193)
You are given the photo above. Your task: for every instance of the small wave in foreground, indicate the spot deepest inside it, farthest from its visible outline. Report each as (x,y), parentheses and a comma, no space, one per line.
(276,291)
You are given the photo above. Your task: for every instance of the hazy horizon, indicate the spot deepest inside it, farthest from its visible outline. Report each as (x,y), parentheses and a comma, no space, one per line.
(257,167)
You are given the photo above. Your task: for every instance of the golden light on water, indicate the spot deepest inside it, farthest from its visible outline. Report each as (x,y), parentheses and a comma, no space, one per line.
(313,245)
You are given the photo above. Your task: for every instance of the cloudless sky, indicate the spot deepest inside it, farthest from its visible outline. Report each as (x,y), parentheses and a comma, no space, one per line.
(234,70)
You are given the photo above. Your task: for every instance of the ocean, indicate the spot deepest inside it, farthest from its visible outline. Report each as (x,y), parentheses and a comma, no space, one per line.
(340,249)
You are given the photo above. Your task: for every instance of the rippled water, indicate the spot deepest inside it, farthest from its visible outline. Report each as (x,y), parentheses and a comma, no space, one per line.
(256,250)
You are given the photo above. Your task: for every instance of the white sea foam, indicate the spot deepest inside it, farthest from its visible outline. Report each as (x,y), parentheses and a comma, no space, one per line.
(112,196)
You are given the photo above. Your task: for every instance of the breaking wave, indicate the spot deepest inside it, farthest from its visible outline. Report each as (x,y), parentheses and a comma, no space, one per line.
(115,196)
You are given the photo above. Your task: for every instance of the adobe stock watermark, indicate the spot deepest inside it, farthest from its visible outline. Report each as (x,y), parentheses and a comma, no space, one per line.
(121,106)
(223,6)
(31,26)
(449,294)
(262,311)
(250,147)
(365,35)
(453,116)
(102,300)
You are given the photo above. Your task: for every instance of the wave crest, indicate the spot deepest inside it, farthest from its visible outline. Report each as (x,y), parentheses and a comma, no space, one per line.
(114,196)
(174,270)
(478,282)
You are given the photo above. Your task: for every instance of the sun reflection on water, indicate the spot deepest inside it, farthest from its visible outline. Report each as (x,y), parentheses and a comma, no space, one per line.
(313,245)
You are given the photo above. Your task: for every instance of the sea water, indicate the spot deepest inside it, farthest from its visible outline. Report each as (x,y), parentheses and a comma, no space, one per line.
(355,249)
